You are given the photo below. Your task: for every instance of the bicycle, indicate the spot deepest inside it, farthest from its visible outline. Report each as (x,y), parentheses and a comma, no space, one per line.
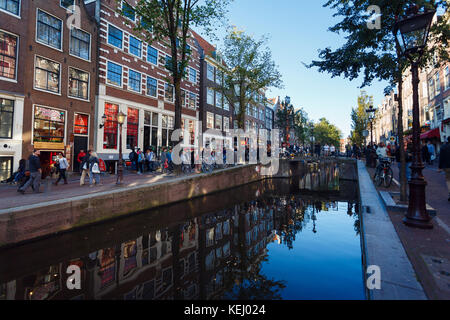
(384,174)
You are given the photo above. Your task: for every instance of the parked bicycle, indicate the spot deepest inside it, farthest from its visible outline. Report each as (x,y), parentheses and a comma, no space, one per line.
(383,173)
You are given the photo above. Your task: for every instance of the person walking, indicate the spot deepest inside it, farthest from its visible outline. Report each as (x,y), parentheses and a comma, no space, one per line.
(63,166)
(140,161)
(444,163)
(34,166)
(425,153)
(84,167)
(80,156)
(94,168)
(432,152)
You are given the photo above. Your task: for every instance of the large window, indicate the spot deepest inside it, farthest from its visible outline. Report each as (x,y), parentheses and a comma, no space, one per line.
(8,55)
(152,55)
(226,105)
(168,92)
(209,120)
(151,129)
(152,87)
(135,46)
(226,124)
(210,72)
(49,125)
(111,126)
(192,100)
(210,96)
(81,124)
(438,83)
(80,44)
(115,36)
(47,75)
(132,128)
(78,84)
(10,6)
(219,102)
(218,122)
(134,80)
(49,30)
(6,118)
(447,78)
(192,75)
(114,74)
(128,11)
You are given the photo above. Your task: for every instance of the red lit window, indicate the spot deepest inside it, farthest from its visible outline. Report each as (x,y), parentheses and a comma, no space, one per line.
(110,129)
(81,124)
(132,128)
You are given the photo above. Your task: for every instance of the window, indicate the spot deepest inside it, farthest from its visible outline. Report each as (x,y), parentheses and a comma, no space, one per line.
(226,105)
(183,98)
(219,103)
(111,126)
(192,75)
(192,100)
(128,11)
(81,125)
(49,125)
(8,55)
(447,78)
(219,76)
(168,92)
(114,74)
(47,75)
(78,84)
(431,88)
(210,72)
(135,46)
(132,128)
(11,6)
(80,44)
(438,83)
(152,55)
(134,80)
(152,87)
(115,36)
(168,62)
(209,120)
(226,124)
(210,96)
(6,118)
(49,30)
(66,3)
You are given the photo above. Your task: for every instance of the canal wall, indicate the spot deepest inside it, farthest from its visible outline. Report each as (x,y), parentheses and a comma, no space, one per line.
(47,218)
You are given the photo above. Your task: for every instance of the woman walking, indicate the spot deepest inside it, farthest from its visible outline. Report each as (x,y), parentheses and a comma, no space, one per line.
(94,169)
(63,165)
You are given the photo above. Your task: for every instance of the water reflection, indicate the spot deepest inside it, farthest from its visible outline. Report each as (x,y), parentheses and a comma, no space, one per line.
(220,254)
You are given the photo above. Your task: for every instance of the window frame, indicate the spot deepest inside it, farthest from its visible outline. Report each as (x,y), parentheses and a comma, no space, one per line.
(173,92)
(108,34)
(192,71)
(88,84)
(52,108)
(16,57)
(157,55)
(146,87)
(59,76)
(90,45)
(12,117)
(19,8)
(129,46)
(61,30)
(129,79)
(88,125)
(121,74)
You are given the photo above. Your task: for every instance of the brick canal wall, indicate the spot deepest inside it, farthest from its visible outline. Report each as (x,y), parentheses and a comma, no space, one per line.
(43,219)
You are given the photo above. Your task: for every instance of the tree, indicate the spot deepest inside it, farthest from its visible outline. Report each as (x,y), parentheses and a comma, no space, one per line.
(360,118)
(250,70)
(300,125)
(169,21)
(327,133)
(373,52)
(284,119)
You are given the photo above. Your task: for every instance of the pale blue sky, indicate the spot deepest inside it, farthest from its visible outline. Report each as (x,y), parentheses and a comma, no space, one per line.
(296,30)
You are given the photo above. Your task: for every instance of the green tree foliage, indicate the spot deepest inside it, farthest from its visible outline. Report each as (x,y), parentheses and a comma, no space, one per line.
(250,70)
(169,21)
(360,118)
(301,125)
(327,133)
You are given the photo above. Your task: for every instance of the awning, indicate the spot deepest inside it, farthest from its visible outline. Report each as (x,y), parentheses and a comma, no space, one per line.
(435,133)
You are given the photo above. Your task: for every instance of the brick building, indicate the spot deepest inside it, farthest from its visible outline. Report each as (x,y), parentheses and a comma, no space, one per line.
(133,80)
(60,79)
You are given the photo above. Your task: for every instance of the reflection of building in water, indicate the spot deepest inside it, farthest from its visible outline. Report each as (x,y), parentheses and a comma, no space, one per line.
(320,179)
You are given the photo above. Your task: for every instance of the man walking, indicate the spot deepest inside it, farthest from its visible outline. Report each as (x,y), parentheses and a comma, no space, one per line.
(34,164)
(84,167)
(444,163)
(63,166)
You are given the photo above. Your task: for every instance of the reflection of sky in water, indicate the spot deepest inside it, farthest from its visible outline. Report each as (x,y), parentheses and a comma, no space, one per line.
(323,265)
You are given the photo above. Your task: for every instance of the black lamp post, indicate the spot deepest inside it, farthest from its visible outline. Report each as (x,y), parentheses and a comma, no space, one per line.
(120,120)
(371,111)
(411,33)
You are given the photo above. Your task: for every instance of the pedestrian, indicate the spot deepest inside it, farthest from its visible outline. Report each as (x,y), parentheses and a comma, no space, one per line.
(333,150)
(425,153)
(34,167)
(17,176)
(133,159)
(140,161)
(84,167)
(80,156)
(94,168)
(432,152)
(326,150)
(63,165)
(444,163)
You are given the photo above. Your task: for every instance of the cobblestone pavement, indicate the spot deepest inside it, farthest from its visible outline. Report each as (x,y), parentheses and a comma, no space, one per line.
(428,250)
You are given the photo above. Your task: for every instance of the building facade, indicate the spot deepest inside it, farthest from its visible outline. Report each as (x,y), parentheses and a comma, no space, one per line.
(133,79)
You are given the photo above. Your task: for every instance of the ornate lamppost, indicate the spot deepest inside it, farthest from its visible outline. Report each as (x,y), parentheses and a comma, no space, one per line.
(411,33)
(120,120)
(371,112)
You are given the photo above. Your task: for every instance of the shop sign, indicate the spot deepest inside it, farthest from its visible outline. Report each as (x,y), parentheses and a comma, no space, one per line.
(49,145)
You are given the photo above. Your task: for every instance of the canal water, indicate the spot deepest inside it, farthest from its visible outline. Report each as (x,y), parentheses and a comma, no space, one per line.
(276,239)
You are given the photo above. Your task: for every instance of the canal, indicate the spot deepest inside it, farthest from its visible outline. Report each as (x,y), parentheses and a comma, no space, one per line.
(275,239)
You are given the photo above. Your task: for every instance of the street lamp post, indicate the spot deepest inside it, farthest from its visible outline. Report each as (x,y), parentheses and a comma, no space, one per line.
(371,111)
(120,120)
(411,33)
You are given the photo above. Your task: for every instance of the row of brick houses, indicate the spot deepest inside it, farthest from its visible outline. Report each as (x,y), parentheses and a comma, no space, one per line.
(68,67)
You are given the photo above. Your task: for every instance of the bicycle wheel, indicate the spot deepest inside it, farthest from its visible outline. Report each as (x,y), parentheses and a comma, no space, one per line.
(378,179)
(388,176)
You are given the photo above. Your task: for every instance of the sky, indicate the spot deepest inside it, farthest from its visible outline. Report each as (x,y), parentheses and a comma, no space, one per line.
(297,29)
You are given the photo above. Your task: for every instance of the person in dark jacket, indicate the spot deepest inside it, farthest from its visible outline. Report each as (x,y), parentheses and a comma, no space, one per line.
(34,166)
(425,153)
(444,163)
(84,167)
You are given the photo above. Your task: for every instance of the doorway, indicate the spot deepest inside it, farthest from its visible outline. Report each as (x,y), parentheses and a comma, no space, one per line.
(79,143)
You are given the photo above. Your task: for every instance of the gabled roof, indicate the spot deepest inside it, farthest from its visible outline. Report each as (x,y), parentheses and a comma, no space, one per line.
(207,47)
